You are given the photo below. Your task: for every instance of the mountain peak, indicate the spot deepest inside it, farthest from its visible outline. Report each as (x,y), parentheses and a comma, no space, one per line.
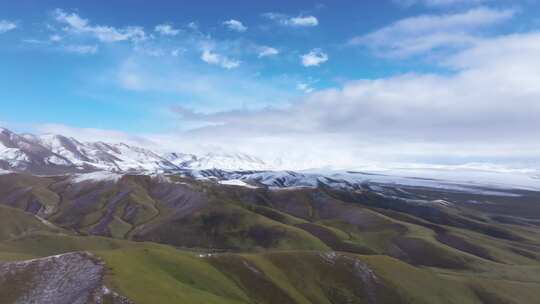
(5,131)
(30,151)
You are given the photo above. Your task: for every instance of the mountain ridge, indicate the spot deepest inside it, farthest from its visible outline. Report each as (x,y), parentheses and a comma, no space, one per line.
(28,152)
(57,154)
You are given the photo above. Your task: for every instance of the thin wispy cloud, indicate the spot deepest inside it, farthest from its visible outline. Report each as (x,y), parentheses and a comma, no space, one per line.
(55,38)
(193,25)
(416,35)
(298,21)
(266,51)
(81,49)
(177,52)
(210,57)
(235,25)
(73,23)
(439,3)
(6,26)
(199,85)
(304,87)
(166,30)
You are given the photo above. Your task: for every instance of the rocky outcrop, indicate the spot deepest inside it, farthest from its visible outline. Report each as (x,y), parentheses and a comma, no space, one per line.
(71,278)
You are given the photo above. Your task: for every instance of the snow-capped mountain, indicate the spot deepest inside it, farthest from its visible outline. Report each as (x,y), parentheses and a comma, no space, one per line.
(484,182)
(224,161)
(57,154)
(53,153)
(112,157)
(21,153)
(179,159)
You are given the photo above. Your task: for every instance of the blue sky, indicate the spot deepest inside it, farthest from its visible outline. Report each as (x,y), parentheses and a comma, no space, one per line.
(246,74)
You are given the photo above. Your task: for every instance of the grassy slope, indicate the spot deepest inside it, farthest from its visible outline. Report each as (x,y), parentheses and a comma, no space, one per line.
(465,266)
(233,227)
(15,222)
(150,273)
(153,273)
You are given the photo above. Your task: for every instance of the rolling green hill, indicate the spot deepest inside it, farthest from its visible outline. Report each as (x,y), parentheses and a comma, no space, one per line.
(189,241)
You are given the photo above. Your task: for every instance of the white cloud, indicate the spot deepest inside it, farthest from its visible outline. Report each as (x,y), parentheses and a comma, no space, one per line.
(315,57)
(211,57)
(150,50)
(93,134)
(299,21)
(81,49)
(304,21)
(488,109)
(304,87)
(416,35)
(439,3)
(55,38)
(34,41)
(193,25)
(6,26)
(177,52)
(75,24)
(235,25)
(266,51)
(196,84)
(166,30)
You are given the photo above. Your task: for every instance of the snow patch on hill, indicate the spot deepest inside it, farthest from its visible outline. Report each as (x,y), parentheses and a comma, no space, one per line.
(237,182)
(99,176)
(223,161)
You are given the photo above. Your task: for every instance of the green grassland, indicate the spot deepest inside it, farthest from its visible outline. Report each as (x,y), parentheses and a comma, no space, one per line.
(154,273)
(197,242)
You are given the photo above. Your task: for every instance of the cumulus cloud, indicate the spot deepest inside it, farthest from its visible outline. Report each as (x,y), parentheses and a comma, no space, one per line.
(211,57)
(6,26)
(266,51)
(81,49)
(416,35)
(166,30)
(298,21)
(75,24)
(315,57)
(235,25)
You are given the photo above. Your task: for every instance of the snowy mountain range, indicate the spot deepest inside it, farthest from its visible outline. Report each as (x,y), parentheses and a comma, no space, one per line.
(57,154)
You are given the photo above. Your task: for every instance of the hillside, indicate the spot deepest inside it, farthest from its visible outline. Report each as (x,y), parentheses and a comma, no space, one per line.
(209,242)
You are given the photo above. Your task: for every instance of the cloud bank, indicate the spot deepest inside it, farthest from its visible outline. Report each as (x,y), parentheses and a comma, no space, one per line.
(488,109)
